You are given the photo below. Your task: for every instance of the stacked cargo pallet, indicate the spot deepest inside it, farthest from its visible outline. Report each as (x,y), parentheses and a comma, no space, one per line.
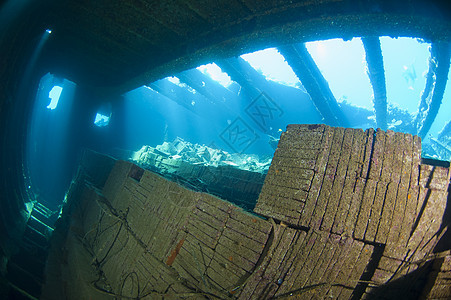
(151,237)
(364,185)
(343,214)
(235,185)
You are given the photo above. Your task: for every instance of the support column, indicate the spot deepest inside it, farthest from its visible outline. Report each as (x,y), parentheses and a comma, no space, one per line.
(316,85)
(205,85)
(241,72)
(376,73)
(439,66)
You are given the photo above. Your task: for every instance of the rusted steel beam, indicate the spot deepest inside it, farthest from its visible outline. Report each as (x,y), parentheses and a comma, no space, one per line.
(423,105)
(439,64)
(314,82)
(202,83)
(180,95)
(242,72)
(376,73)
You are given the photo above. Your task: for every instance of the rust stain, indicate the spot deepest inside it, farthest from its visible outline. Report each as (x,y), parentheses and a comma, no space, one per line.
(409,196)
(175,252)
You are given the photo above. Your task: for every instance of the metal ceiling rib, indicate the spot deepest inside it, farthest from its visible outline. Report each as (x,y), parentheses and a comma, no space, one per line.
(143,40)
(299,59)
(205,85)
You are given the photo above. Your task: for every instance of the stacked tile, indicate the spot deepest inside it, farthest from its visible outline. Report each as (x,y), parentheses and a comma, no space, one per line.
(196,251)
(230,183)
(281,249)
(116,253)
(131,235)
(320,176)
(346,207)
(433,193)
(415,244)
(239,186)
(369,186)
(223,246)
(152,232)
(347,181)
(296,169)
(96,167)
(438,286)
(165,211)
(309,265)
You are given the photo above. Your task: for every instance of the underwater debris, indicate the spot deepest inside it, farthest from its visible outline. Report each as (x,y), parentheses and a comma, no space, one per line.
(440,147)
(169,156)
(237,178)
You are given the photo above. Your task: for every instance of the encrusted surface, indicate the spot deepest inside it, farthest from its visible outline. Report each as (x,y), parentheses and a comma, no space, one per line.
(354,216)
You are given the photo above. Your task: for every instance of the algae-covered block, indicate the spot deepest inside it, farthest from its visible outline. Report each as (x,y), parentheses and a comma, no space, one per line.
(353,209)
(117,178)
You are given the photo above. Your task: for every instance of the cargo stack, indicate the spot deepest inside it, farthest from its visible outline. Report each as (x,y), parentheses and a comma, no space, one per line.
(369,186)
(343,213)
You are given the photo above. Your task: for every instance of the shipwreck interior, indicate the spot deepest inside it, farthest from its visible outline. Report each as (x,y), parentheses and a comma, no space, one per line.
(117,116)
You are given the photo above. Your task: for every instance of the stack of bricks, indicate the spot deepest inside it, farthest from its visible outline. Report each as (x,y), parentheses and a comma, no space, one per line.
(345,214)
(151,237)
(235,185)
(438,286)
(369,186)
